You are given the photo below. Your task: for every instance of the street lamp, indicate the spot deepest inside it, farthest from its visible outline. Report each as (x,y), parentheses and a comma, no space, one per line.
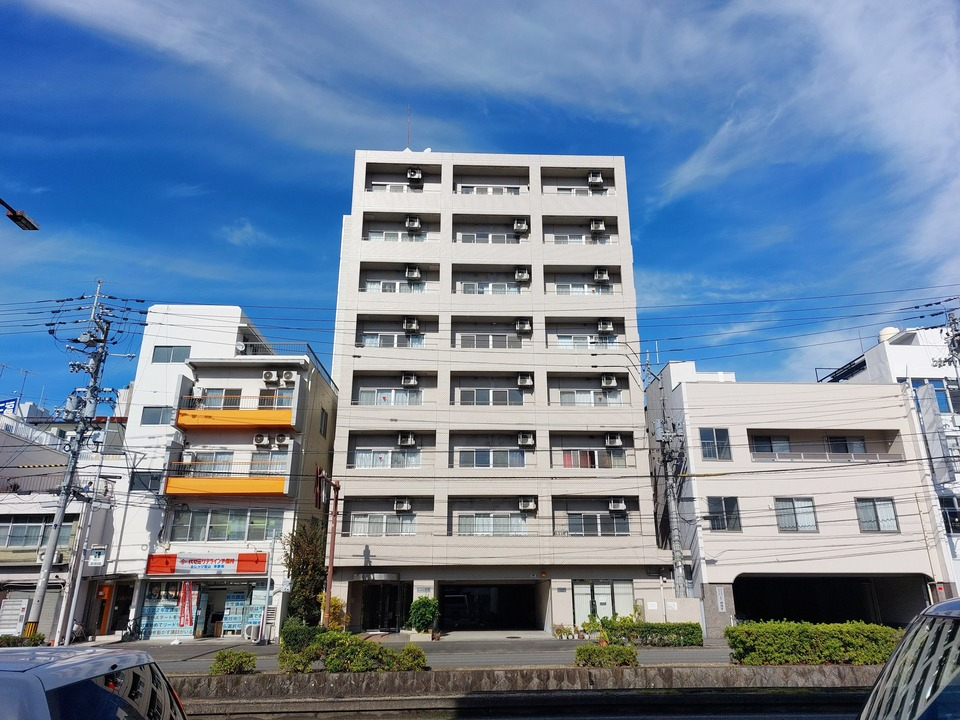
(20,218)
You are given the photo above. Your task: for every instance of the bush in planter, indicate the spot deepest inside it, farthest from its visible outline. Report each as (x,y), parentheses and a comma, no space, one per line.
(233,662)
(605,656)
(296,636)
(359,655)
(339,617)
(424,612)
(803,643)
(411,658)
(36,640)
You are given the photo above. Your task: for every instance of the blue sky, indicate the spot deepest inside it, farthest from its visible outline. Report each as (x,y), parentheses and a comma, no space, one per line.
(793,167)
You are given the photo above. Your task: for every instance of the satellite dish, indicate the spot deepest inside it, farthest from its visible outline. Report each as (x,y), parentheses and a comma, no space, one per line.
(428,150)
(241,347)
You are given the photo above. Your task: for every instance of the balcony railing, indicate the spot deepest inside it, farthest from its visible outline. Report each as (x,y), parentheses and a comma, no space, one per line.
(229,469)
(271,349)
(236,402)
(821,456)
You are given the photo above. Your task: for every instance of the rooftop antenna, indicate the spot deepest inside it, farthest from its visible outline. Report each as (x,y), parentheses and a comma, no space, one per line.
(408,127)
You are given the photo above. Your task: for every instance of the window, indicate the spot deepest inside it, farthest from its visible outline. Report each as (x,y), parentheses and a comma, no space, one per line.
(715,443)
(877,515)
(269,462)
(589,398)
(583,289)
(395,236)
(939,389)
(589,459)
(489,189)
(389,340)
(324,421)
(487,238)
(582,342)
(497,524)
(146,481)
(275,398)
(389,396)
(387,458)
(394,286)
(846,445)
(770,444)
(31,531)
(496,341)
(221,398)
(491,458)
(581,191)
(724,513)
(951,514)
(170,353)
(490,288)
(156,416)
(491,396)
(598,524)
(210,463)
(222,525)
(580,239)
(382,524)
(795,515)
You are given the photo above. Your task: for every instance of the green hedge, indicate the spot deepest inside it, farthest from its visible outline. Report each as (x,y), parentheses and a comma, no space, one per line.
(343,652)
(606,656)
(803,643)
(296,637)
(626,630)
(19,641)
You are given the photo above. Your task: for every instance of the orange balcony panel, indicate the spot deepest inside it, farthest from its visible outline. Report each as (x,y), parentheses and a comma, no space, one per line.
(198,485)
(234,418)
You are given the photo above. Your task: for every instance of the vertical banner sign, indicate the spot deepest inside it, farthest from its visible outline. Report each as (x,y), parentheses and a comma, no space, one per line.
(186,604)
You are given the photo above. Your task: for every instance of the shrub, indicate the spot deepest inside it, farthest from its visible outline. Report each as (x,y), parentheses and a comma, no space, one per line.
(411,657)
(289,661)
(627,630)
(803,643)
(359,655)
(605,656)
(233,662)
(423,613)
(296,636)
(339,617)
(36,640)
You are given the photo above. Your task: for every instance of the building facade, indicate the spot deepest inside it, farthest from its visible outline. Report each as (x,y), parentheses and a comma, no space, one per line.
(489,445)
(799,501)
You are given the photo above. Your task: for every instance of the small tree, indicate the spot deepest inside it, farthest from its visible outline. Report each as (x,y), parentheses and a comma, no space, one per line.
(339,617)
(423,613)
(303,557)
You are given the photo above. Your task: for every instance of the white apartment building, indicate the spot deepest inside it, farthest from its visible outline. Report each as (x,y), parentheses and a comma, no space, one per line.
(489,444)
(226,435)
(915,357)
(800,501)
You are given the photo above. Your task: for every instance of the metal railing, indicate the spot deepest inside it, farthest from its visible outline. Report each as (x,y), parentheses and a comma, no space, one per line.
(236,402)
(822,456)
(197,468)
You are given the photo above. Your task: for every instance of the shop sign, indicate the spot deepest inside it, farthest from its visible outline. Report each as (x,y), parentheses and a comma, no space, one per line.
(221,564)
(98,556)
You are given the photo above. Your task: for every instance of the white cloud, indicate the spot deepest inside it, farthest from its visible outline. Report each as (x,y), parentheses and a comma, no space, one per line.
(185,190)
(242,233)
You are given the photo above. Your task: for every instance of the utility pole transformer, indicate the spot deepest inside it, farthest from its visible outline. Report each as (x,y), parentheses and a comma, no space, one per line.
(94,342)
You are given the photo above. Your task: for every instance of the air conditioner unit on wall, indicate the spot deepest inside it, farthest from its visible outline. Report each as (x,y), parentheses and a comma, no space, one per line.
(406,439)
(412,222)
(57,557)
(283,440)
(608,380)
(524,380)
(524,325)
(597,225)
(271,376)
(402,505)
(520,225)
(526,439)
(595,178)
(601,274)
(412,272)
(617,504)
(613,440)
(415,175)
(604,326)
(528,503)
(411,324)
(261,439)
(408,380)
(521,274)
(289,376)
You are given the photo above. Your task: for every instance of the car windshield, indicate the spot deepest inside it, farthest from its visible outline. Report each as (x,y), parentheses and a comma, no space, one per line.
(921,681)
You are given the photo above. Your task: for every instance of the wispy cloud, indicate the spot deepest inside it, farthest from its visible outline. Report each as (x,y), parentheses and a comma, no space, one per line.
(184,190)
(242,233)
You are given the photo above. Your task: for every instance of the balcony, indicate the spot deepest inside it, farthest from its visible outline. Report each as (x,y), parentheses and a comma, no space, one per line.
(822,456)
(236,412)
(270,477)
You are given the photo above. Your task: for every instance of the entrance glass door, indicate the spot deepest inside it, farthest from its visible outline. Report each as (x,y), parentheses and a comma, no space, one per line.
(384,606)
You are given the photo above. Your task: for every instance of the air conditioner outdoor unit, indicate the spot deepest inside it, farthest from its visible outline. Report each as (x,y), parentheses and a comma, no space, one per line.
(528,503)
(601,274)
(524,380)
(597,225)
(261,439)
(57,557)
(283,440)
(521,275)
(406,439)
(402,505)
(408,380)
(412,222)
(271,376)
(526,439)
(521,225)
(415,175)
(289,376)
(604,327)
(524,325)
(412,272)
(595,178)
(608,380)
(411,324)
(617,504)
(613,440)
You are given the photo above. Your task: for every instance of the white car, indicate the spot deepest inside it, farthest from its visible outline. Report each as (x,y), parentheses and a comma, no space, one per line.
(66,683)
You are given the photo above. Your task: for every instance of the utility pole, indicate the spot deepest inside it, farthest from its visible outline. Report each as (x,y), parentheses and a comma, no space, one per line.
(93,344)
(335,484)
(669,457)
(952,340)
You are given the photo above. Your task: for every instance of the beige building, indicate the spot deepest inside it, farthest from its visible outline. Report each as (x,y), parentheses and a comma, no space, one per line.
(489,441)
(799,500)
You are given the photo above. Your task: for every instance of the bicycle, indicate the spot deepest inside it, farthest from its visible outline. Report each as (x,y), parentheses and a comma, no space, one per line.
(133,631)
(78,633)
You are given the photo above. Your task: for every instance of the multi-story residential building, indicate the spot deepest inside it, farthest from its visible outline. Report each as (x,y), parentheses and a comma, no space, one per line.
(916,357)
(798,500)
(490,445)
(228,433)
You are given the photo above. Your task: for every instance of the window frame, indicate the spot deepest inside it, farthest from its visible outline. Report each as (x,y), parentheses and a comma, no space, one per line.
(785,513)
(616,524)
(165,416)
(723,512)
(868,512)
(712,447)
(164,354)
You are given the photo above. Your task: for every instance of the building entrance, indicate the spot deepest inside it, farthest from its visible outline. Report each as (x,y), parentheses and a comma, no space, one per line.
(489,607)
(385,605)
